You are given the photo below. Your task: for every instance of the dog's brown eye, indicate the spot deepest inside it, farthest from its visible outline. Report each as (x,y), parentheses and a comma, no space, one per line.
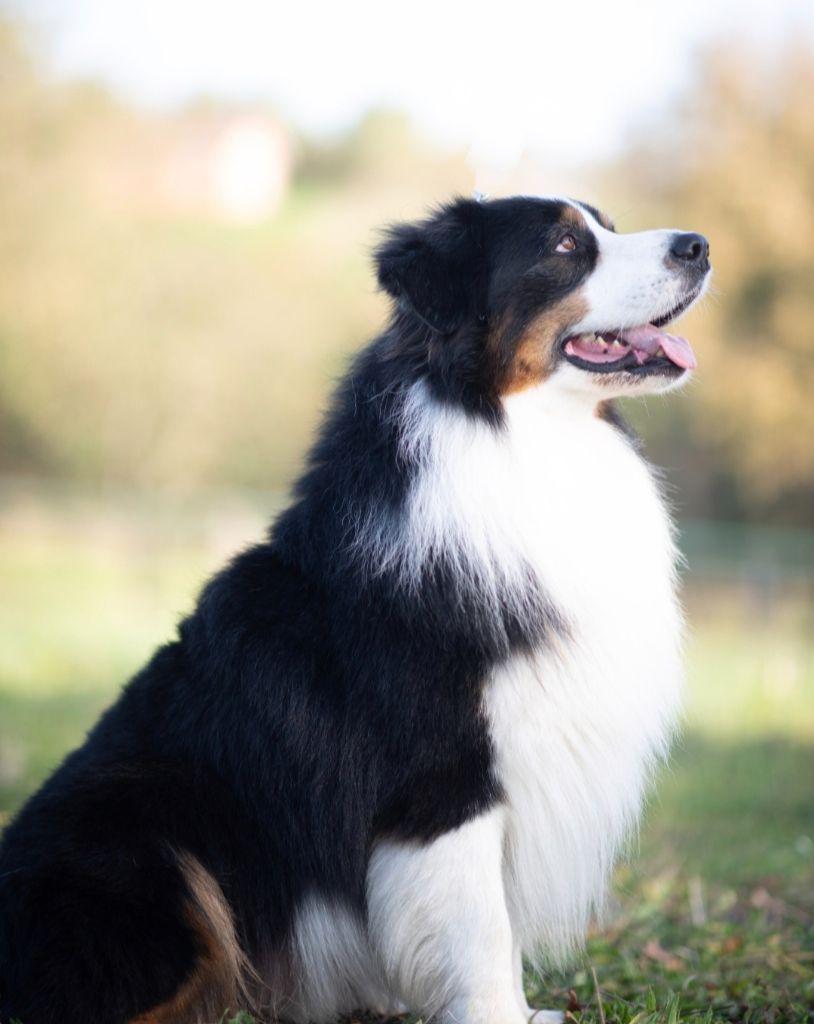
(567,244)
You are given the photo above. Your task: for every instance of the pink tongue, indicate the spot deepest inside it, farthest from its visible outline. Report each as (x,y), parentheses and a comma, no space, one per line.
(648,338)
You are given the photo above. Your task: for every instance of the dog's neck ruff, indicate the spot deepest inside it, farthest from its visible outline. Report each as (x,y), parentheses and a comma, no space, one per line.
(556,502)
(538,505)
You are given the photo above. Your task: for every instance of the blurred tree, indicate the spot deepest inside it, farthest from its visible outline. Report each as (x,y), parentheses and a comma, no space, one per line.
(152,344)
(739,166)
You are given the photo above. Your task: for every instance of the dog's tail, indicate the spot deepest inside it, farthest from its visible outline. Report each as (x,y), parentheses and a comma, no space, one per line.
(222,978)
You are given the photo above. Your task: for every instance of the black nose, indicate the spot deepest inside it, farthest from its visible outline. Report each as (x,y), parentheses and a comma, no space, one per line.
(689,247)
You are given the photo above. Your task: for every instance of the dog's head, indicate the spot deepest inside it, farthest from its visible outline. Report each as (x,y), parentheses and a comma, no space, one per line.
(499,296)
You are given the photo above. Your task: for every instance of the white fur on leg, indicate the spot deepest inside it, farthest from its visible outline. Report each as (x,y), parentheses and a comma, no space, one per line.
(439,922)
(336,970)
(532,1016)
(519,988)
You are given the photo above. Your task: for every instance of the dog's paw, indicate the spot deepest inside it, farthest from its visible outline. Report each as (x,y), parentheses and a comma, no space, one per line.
(546,1017)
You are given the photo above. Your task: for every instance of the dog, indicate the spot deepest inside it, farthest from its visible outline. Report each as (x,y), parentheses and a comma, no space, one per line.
(398,745)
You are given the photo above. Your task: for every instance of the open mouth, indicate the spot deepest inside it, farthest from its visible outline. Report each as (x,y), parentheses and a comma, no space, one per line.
(638,350)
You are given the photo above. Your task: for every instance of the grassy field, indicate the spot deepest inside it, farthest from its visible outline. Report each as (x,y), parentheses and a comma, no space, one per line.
(714,916)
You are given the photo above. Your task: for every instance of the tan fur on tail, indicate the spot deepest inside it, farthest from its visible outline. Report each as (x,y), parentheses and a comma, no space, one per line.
(219,979)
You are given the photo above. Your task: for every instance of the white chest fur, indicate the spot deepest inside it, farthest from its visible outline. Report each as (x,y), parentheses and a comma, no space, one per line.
(576,729)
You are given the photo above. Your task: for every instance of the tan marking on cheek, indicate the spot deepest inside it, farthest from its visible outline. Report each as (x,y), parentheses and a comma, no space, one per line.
(218,980)
(535,355)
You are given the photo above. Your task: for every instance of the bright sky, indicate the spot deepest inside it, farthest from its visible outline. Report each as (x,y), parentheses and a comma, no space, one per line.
(565,79)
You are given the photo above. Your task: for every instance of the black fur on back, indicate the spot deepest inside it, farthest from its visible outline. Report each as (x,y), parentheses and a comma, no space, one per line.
(309,705)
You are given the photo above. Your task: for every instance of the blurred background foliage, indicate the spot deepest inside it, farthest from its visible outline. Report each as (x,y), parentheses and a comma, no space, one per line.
(153,335)
(178,291)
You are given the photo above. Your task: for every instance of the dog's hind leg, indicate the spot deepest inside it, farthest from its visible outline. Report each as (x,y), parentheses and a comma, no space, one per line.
(139,935)
(438,918)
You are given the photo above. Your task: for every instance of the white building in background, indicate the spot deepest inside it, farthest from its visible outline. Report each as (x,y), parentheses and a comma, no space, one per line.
(233,166)
(251,168)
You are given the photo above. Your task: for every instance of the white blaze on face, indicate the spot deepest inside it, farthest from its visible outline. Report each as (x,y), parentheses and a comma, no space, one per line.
(632,282)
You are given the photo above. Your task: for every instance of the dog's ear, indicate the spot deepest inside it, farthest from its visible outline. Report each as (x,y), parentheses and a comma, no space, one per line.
(435,267)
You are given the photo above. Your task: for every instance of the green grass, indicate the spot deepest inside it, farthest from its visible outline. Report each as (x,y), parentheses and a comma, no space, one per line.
(713,918)
(718,908)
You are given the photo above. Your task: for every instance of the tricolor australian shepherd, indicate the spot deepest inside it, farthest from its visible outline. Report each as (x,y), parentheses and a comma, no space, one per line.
(398,745)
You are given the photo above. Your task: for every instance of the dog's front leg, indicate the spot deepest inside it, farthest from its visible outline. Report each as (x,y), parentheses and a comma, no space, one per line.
(531,1015)
(438,919)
